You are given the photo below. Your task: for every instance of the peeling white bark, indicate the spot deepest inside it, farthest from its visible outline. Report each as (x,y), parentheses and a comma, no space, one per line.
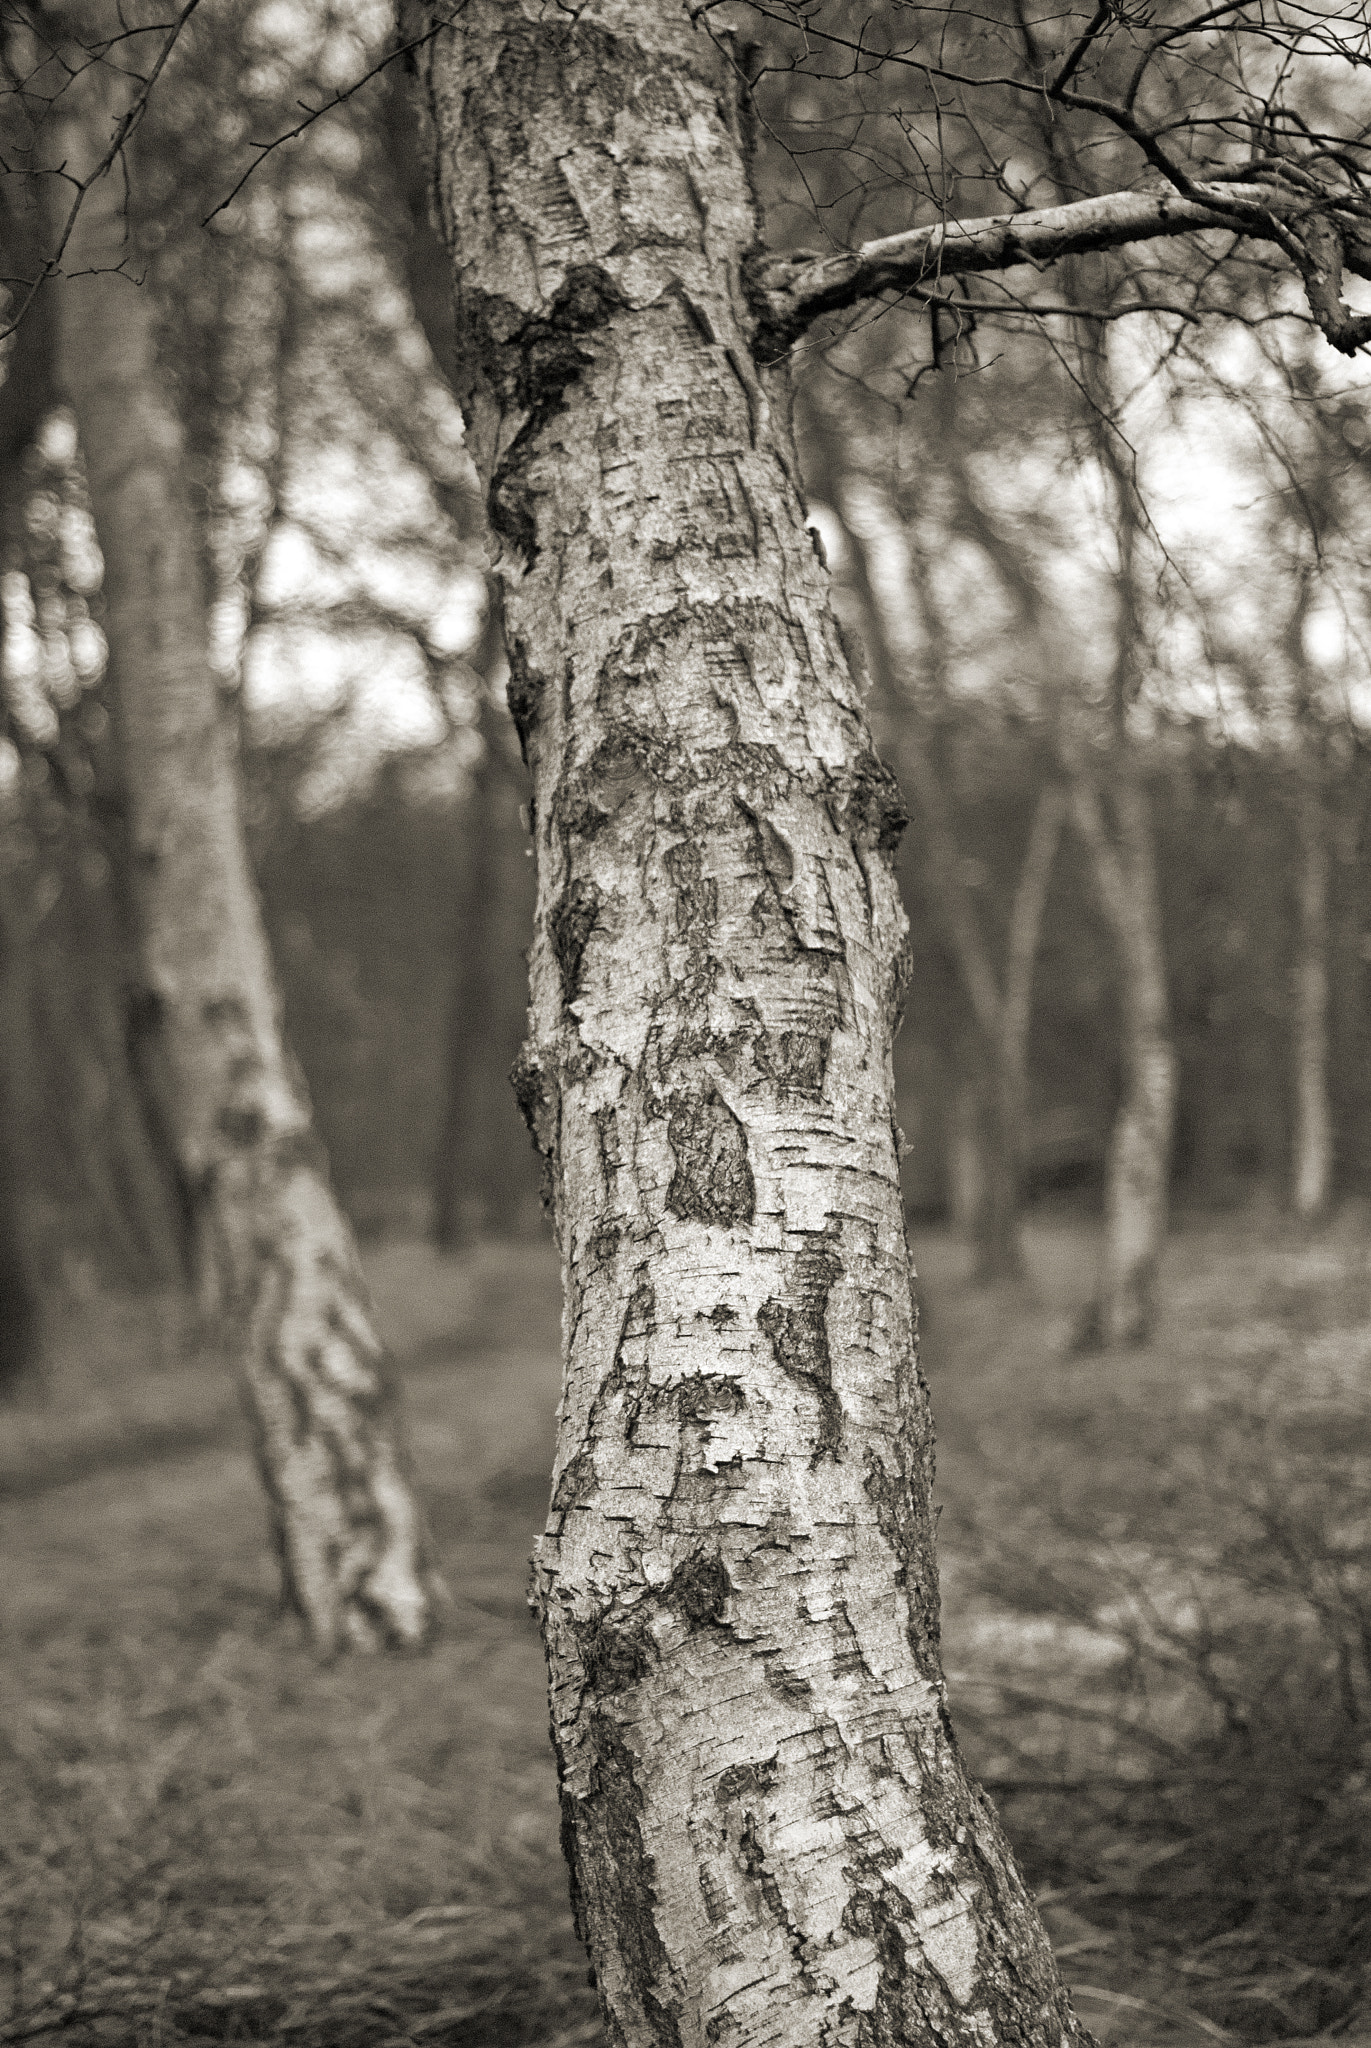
(316,1381)
(771,1833)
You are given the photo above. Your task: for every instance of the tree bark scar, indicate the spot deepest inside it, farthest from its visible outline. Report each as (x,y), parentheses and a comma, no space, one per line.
(903,1520)
(910,2002)
(796,1061)
(713,1180)
(529,367)
(701,1395)
(536,1095)
(628,1375)
(797,1331)
(242,1127)
(699,1589)
(616,1650)
(697,913)
(752,1857)
(575,1483)
(570,926)
(523,693)
(873,806)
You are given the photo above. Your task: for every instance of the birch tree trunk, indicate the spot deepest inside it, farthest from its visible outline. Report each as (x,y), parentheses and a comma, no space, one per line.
(317,1385)
(1312,1150)
(1137,1170)
(771,1833)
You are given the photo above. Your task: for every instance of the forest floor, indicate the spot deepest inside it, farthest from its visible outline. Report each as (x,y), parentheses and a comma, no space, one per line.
(1157,1626)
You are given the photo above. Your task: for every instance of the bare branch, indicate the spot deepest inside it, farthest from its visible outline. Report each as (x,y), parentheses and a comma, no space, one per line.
(790,292)
(123,129)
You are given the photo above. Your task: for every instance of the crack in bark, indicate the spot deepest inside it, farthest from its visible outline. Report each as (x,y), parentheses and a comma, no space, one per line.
(570,926)
(752,1857)
(797,1331)
(529,368)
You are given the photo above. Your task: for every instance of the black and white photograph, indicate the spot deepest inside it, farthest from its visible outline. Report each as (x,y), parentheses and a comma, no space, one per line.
(685,1023)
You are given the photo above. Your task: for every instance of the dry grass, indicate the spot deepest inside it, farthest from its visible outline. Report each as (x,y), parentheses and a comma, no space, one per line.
(206,1837)
(1158,1574)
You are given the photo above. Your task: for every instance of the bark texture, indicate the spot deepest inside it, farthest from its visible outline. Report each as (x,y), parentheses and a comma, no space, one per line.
(1312,1142)
(771,1833)
(1138,1167)
(317,1384)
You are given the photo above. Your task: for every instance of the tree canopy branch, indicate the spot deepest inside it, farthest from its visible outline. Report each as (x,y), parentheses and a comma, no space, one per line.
(1325,238)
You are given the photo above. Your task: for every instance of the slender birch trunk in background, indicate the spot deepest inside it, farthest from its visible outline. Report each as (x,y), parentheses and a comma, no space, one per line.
(1138,1167)
(771,1832)
(460,1191)
(486,1177)
(25,397)
(1026,912)
(989,1132)
(317,1384)
(1312,1144)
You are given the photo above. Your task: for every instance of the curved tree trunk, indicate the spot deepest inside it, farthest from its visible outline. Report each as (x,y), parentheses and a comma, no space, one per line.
(1137,1170)
(315,1377)
(772,1835)
(1312,1149)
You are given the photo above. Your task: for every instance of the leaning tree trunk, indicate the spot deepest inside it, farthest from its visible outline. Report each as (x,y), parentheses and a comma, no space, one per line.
(1312,1150)
(1137,1170)
(771,1832)
(317,1384)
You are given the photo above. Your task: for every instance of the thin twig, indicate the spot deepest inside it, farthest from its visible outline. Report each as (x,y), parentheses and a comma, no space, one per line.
(123,129)
(313,114)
